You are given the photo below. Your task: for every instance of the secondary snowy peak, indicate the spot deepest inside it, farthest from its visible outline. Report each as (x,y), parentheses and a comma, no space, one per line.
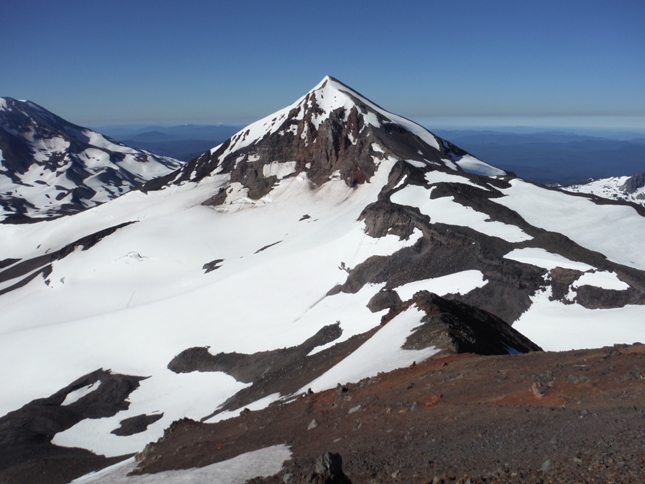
(330,132)
(50,167)
(625,188)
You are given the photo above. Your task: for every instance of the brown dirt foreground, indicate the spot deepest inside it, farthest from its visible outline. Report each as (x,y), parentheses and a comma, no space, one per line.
(541,417)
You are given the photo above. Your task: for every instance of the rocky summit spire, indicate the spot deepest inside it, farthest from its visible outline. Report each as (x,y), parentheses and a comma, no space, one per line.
(330,131)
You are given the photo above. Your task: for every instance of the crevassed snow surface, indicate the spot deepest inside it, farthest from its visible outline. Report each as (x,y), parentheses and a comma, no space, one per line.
(258,463)
(157,301)
(614,230)
(446,210)
(457,283)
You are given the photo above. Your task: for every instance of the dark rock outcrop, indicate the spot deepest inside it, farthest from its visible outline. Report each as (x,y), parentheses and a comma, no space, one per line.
(634,182)
(329,470)
(456,327)
(248,368)
(26,451)
(136,424)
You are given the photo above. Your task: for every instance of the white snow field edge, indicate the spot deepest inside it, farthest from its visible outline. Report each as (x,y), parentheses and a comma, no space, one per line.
(238,470)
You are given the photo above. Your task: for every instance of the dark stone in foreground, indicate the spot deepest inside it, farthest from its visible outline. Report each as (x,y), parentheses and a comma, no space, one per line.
(329,470)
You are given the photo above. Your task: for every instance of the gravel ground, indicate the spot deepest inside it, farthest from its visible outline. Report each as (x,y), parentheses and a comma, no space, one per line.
(576,416)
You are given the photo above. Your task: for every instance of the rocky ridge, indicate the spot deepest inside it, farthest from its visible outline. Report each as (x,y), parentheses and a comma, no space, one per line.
(51,167)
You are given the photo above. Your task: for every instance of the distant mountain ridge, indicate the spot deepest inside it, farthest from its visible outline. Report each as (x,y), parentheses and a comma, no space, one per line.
(51,167)
(183,142)
(625,188)
(553,157)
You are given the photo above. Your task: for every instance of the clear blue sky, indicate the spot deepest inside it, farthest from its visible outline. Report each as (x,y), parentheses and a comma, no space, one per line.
(138,61)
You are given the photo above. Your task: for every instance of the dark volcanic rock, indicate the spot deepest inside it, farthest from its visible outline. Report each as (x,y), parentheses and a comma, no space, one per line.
(136,424)
(384,299)
(635,182)
(329,470)
(248,368)
(454,419)
(212,265)
(26,451)
(456,327)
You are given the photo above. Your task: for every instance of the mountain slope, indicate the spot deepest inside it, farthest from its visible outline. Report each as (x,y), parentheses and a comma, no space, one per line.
(625,188)
(297,255)
(52,167)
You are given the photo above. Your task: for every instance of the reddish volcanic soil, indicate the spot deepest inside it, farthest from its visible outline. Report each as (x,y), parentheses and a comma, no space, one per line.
(542,417)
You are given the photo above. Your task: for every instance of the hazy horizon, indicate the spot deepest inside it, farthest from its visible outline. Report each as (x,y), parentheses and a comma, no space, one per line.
(145,62)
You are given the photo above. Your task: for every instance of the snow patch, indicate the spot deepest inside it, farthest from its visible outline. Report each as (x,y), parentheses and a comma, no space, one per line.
(441,177)
(602,279)
(416,164)
(238,470)
(617,231)
(470,164)
(541,258)
(401,182)
(450,164)
(76,395)
(279,169)
(560,327)
(457,283)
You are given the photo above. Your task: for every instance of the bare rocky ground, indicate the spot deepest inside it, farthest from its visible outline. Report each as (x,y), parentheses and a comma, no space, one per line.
(575,416)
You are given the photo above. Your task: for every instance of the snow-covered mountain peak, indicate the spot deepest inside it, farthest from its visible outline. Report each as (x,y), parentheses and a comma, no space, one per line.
(332,132)
(51,167)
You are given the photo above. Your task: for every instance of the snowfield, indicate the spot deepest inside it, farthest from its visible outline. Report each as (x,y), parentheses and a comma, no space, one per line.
(158,300)
(617,231)
(556,326)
